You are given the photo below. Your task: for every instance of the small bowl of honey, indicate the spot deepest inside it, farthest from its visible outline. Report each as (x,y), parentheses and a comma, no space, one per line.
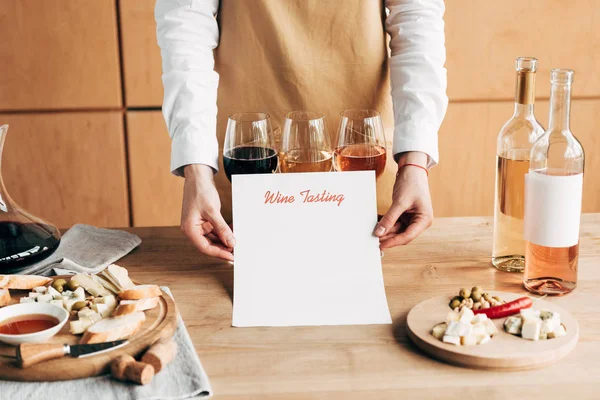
(31,322)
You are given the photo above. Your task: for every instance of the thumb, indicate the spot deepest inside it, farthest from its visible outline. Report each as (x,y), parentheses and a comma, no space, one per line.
(221,229)
(389,219)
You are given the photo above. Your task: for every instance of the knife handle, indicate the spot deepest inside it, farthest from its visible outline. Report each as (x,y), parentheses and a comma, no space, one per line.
(29,354)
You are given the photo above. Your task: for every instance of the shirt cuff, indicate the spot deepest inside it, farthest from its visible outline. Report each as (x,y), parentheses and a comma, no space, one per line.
(411,136)
(191,148)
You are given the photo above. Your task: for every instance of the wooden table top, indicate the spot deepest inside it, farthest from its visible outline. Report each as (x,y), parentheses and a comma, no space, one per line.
(377,361)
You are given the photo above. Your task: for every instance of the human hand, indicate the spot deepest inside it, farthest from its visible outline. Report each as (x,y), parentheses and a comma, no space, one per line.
(411,211)
(201,219)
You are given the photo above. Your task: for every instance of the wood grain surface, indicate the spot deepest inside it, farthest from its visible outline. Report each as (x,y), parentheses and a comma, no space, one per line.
(160,323)
(59,54)
(374,362)
(155,192)
(483,39)
(67,167)
(505,352)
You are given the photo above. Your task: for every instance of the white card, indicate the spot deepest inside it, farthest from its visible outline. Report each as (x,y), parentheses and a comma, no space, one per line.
(310,260)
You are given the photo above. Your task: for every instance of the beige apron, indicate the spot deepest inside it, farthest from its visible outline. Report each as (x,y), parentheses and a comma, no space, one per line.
(277,56)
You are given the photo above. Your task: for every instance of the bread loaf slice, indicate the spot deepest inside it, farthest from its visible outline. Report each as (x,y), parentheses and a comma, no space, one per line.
(119,276)
(4,297)
(140,292)
(23,282)
(114,328)
(130,306)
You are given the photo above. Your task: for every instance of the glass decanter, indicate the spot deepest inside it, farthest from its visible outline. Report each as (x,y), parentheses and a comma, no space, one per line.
(24,238)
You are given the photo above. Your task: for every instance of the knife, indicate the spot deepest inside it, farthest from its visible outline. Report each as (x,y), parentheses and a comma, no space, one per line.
(29,354)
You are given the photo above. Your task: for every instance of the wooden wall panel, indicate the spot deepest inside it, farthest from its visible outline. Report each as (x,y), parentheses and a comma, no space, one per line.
(141,55)
(463,183)
(68,167)
(155,193)
(58,54)
(484,37)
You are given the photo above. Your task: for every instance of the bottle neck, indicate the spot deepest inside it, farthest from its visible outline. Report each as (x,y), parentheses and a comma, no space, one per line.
(525,88)
(523,110)
(560,107)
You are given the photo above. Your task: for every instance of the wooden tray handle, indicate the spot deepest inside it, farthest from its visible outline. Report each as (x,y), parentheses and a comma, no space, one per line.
(29,354)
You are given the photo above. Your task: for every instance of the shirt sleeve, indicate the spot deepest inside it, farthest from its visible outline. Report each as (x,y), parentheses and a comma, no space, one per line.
(187,34)
(418,76)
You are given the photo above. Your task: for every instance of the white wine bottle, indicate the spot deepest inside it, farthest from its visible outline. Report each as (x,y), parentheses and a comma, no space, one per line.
(512,163)
(553,194)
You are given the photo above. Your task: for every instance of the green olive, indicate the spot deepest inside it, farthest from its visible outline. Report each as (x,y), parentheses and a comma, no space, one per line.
(72,285)
(487,297)
(59,285)
(454,303)
(476,296)
(477,289)
(464,293)
(79,305)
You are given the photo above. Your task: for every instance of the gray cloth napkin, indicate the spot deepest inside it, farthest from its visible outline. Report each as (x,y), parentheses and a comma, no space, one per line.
(83,249)
(183,378)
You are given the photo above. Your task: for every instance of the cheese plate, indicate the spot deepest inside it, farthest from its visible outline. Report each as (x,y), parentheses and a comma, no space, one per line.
(160,322)
(504,351)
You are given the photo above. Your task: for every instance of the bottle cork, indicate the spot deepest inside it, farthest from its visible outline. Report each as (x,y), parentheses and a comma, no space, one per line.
(160,354)
(125,368)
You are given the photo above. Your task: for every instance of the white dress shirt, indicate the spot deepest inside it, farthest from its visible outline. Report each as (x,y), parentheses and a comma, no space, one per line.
(187,33)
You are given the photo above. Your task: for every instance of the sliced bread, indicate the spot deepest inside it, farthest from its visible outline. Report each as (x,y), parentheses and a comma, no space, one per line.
(130,306)
(106,283)
(119,276)
(90,285)
(140,292)
(115,328)
(4,297)
(23,282)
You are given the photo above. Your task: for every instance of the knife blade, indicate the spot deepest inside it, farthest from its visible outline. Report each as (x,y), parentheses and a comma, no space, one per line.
(29,354)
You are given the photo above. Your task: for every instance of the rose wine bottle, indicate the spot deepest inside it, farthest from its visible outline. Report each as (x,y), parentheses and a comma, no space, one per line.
(512,163)
(553,193)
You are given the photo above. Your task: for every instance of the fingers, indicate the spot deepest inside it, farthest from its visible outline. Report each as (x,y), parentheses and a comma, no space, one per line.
(221,229)
(197,236)
(417,225)
(388,221)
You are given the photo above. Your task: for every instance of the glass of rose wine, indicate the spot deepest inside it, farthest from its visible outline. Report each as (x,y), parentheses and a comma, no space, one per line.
(361,142)
(305,145)
(249,147)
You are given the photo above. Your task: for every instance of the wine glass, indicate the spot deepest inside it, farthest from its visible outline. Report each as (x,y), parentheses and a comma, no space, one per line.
(361,142)
(305,144)
(249,147)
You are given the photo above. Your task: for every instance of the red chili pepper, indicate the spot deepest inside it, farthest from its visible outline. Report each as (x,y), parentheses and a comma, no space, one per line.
(504,310)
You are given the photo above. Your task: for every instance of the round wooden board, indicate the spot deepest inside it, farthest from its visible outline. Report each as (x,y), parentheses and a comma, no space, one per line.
(160,322)
(504,352)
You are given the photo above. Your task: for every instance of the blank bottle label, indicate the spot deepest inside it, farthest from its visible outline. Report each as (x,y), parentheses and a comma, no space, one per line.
(552,209)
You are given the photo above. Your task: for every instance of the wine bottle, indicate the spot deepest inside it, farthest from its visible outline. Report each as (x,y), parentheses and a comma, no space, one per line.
(512,163)
(553,194)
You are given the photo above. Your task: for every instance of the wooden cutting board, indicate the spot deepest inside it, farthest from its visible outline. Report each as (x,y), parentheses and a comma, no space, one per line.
(160,322)
(504,352)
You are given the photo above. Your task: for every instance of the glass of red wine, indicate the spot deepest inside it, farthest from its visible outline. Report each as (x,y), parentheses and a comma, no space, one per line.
(249,145)
(361,142)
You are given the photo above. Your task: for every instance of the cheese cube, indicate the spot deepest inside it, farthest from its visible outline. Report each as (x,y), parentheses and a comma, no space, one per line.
(79,293)
(513,325)
(469,340)
(529,314)
(479,318)
(558,332)
(33,295)
(453,329)
(490,327)
(531,329)
(85,311)
(68,304)
(102,309)
(44,298)
(452,340)
(485,339)
(57,303)
(27,300)
(466,315)
(452,316)
(40,289)
(68,293)
(55,294)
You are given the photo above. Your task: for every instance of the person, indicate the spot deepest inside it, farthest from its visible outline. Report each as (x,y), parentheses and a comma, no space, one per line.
(328,55)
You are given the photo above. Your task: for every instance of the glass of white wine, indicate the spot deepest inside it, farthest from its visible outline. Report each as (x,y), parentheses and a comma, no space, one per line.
(305,143)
